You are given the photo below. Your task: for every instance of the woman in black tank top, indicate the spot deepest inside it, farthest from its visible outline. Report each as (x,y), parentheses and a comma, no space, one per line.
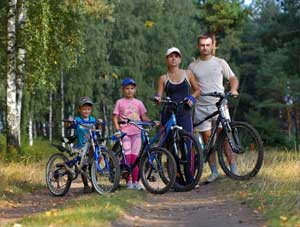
(178,84)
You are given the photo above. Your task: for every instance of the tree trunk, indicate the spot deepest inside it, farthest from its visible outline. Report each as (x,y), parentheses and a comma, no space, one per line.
(62,103)
(297,125)
(214,44)
(30,135)
(20,62)
(289,123)
(73,115)
(35,130)
(11,93)
(50,116)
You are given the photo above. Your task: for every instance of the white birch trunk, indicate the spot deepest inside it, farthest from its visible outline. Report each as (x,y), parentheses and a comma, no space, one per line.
(73,116)
(50,117)
(30,135)
(19,88)
(62,103)
(11,111)
(21,53)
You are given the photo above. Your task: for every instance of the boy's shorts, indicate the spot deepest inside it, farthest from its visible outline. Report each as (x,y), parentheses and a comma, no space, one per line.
(201,112)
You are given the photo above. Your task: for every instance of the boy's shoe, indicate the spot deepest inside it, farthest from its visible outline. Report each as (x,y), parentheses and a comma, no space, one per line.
(212,177)
(137,186)
(87,189)
(130,185)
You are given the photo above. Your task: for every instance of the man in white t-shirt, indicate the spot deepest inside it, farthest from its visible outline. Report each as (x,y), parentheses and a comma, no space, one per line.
(210,71)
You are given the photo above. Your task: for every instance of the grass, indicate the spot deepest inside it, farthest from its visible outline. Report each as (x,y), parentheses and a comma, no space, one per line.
(274,192)
(17,178)
(26,172)
(93,210)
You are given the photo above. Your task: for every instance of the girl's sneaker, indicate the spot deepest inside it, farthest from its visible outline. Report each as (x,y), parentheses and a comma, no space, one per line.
(137,186)
(130,185)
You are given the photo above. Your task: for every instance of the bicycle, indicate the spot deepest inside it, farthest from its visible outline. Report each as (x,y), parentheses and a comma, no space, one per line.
(99,165)
(155,163)
(239,138)
(183,146)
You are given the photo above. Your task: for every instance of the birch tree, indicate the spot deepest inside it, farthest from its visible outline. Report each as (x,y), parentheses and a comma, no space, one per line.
(13,129)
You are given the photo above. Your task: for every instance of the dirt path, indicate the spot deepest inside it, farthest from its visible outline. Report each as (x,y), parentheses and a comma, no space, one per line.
(200,207)
(36,202)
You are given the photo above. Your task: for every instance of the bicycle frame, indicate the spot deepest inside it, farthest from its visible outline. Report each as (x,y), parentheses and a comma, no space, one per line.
(144,148)
(97,148)
(221,119)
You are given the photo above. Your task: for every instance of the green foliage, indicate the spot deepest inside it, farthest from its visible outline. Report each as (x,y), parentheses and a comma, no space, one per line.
(269,129)
(96,43)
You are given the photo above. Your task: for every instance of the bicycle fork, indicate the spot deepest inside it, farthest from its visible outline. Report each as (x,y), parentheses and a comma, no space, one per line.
(232,137)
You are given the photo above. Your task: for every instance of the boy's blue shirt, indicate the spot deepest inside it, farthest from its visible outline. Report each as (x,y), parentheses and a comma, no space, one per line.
(83,133)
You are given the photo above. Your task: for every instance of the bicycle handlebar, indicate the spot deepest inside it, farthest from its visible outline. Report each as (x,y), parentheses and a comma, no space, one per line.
(219,95)
(138,124)
(167,100)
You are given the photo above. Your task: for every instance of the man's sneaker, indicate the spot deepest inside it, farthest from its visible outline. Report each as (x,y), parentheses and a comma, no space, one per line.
(137,186)
(130,185)
(212,177)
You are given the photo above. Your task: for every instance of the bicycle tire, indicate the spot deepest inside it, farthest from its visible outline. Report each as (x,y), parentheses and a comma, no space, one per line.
(154,161)
(55,172)
(249,158)
(181,184)
(117,150)
(110,171)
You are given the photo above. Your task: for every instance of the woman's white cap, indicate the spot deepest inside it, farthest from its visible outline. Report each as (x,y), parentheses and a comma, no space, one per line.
(173,50)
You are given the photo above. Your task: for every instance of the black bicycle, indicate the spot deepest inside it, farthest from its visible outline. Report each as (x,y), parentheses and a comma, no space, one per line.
(238,140)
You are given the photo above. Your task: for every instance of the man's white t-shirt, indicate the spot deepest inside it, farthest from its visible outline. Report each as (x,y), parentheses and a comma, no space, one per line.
(210,75)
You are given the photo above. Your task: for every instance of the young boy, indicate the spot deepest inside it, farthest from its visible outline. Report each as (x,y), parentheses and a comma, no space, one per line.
(81,124)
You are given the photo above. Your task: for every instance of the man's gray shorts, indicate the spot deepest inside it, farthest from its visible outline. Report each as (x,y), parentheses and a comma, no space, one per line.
(201,112)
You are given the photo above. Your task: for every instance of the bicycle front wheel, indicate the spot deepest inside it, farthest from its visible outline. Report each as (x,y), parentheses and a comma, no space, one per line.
(189,160)
(157,170)
(240,151)
(105,173)
(58,178)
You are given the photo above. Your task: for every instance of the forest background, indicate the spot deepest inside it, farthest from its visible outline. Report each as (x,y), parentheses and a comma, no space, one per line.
(53,52)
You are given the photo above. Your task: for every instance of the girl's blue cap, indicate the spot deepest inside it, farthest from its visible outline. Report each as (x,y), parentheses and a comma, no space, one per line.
(128,81)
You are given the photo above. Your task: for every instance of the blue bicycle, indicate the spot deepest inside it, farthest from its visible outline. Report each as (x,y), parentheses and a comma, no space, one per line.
(157,166)
(99,165)
(184,147)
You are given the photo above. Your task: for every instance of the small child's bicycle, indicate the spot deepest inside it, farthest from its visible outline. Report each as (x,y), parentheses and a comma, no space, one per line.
(157,166)
(99,165)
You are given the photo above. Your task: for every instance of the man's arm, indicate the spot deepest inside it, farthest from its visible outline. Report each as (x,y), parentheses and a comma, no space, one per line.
(234,85)
(194,83)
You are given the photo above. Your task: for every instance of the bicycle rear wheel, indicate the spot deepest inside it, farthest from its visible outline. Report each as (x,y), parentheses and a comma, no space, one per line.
(245,147)
(105,173)
(157,170)
(58,178)
(189,160)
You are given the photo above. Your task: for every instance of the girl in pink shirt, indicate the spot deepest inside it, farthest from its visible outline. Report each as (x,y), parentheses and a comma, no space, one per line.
(129,107)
